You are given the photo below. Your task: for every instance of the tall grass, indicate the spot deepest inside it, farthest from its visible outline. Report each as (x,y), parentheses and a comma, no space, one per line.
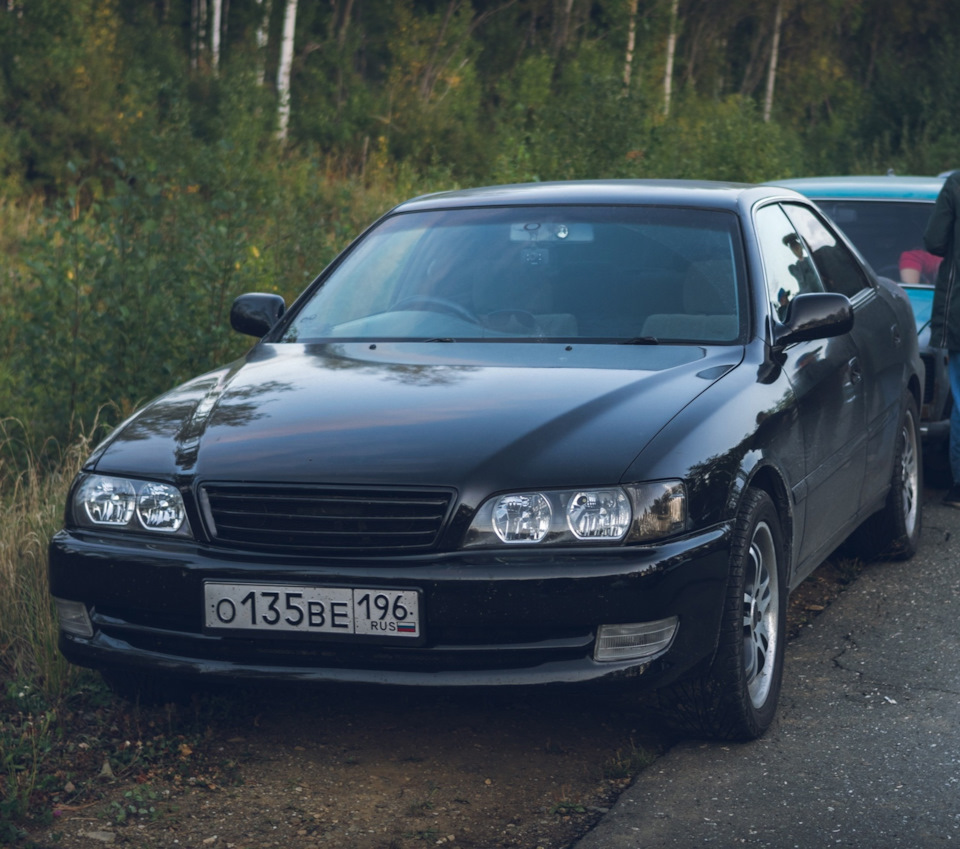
(34,678)
(32,496)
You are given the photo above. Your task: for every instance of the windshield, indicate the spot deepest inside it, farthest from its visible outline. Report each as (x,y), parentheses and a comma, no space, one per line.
(889,234)
(629,274)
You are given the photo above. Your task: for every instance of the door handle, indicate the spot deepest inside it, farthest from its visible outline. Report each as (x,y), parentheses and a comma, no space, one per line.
(856,371)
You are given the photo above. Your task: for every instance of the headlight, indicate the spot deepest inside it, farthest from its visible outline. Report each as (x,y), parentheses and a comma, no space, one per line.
(125,504)
(599,514)
(614,514)
(525,517)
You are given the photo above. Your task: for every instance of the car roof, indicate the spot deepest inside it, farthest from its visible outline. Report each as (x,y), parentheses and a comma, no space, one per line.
(701,194)
(880,187)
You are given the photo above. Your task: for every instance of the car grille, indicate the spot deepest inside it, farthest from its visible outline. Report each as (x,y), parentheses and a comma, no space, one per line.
(321,520)
(929,379)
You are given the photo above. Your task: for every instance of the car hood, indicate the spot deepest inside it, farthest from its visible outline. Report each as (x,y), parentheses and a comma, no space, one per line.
(440,414)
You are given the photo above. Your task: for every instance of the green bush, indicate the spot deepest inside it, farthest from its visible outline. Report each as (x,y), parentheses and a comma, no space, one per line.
(726,139)
(116,296)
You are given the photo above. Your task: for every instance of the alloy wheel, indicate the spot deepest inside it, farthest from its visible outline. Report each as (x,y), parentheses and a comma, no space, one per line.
(910,474)
(761,611)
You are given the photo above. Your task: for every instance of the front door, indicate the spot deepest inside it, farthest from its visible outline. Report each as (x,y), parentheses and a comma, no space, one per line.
(827,381)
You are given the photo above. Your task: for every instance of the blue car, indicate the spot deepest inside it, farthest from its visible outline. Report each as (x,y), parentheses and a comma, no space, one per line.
(885,216)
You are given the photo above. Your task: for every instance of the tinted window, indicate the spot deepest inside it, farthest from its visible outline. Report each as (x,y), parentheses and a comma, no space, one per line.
(839,269)
(883,231)
(532,273)
(789,269)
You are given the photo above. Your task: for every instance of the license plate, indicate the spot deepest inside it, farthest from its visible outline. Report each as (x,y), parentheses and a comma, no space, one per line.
(312,610)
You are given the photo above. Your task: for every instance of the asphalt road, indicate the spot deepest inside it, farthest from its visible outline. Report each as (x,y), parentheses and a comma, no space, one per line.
(865,751)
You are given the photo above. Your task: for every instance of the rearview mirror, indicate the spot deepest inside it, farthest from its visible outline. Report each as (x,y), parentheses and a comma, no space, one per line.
(255,313)
(815,315)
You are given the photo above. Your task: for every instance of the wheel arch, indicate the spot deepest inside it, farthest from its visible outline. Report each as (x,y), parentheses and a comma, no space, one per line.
(769,479)
(915,389)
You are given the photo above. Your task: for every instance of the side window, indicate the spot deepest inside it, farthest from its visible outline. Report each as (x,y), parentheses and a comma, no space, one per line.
(789,271)
(838,268)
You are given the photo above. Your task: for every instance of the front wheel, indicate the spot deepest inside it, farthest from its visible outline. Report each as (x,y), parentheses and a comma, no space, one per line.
(736,699)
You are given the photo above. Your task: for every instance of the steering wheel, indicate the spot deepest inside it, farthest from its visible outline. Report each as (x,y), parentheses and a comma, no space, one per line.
(507,319)
(892,271)
(433,303)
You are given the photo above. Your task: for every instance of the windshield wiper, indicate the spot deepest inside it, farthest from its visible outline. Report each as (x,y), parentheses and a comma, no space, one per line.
(641,340)
(441,339)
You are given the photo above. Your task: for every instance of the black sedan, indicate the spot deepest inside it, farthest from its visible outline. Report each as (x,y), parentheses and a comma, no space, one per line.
(570,433)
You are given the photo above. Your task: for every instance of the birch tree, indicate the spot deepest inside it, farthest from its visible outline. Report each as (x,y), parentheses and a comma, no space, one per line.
(198,31)
(671,52)
(774,57)
(283,72)
(631,44)
(263,35)
(215,24)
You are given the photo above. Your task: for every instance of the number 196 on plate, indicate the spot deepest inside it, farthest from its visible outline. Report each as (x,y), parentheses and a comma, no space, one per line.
(318,610)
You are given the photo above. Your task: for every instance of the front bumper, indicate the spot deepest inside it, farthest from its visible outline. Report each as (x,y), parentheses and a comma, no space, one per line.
(489,618)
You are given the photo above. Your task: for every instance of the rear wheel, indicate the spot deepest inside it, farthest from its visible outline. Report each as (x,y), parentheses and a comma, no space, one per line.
(894,531)
(736,699)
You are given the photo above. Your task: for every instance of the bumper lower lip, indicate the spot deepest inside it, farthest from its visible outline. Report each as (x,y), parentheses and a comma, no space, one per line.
(491,619)
(105,652)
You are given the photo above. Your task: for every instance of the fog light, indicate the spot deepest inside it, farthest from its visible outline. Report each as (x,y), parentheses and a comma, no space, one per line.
(634,641)
(73,618)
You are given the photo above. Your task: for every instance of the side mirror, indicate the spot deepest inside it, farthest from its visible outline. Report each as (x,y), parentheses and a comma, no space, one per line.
(815,315)
(255,313)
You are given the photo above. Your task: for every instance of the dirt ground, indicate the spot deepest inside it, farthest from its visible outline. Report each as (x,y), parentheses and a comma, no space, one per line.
(261,767)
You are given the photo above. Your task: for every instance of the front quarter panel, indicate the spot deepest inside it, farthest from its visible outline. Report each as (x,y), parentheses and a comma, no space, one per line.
(744,425)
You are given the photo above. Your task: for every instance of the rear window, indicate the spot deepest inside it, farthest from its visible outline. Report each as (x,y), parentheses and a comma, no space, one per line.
(888,233)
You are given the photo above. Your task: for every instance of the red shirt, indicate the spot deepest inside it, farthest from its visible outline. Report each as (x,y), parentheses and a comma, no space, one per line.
(919,260)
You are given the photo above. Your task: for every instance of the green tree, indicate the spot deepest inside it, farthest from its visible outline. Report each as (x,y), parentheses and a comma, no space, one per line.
(61,80)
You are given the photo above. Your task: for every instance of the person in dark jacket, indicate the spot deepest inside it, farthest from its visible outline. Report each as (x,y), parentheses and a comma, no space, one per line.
(942,238)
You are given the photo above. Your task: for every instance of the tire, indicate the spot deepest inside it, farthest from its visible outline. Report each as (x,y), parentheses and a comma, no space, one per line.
(736,699)
(893,533)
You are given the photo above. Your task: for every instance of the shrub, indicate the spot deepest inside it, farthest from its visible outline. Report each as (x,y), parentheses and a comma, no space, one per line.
(722,140)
